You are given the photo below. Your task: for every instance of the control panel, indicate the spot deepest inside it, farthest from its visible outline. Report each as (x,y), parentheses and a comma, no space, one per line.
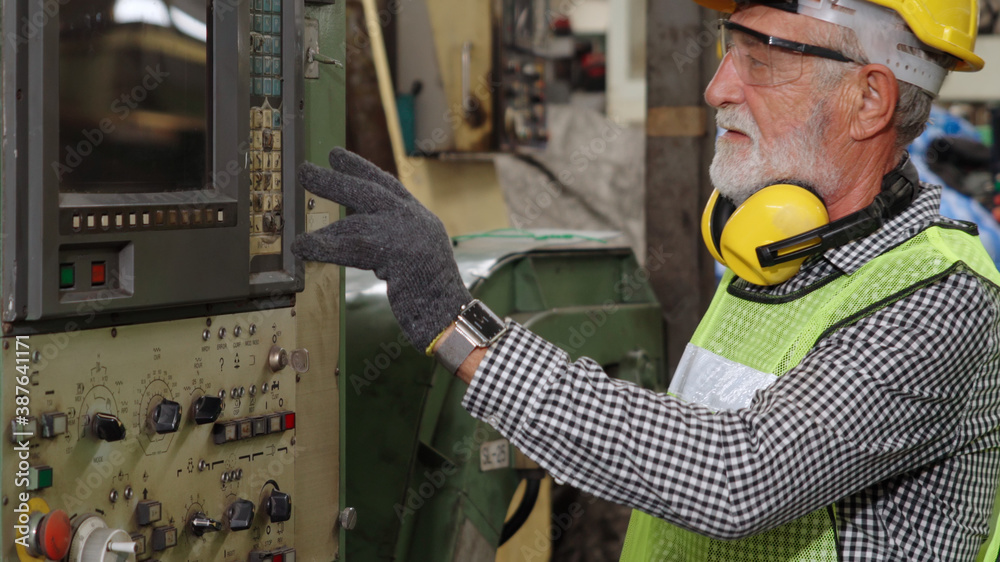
(155,441)
(157,399)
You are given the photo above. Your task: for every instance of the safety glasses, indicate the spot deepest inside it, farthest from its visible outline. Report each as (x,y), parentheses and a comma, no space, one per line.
(764,60)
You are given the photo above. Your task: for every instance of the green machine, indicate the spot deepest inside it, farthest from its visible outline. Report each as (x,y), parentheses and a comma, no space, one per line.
(421,477)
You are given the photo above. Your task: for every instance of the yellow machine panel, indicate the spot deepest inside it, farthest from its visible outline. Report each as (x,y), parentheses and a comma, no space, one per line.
(181,434)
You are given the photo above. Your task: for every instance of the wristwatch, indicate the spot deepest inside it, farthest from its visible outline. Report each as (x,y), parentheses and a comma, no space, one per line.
(476,326)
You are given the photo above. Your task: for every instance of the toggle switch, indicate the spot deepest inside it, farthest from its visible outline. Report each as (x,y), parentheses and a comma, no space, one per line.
(201,524)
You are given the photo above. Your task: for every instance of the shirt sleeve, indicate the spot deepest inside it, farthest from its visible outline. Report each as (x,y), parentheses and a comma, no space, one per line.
(884,395)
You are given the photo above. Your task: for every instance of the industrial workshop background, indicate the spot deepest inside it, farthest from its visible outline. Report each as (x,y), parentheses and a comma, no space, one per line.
(177,386)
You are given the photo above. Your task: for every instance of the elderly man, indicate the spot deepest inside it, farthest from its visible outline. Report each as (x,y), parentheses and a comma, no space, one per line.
(841,398)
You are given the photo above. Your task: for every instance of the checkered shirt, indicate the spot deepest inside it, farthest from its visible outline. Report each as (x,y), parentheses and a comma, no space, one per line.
(893,419)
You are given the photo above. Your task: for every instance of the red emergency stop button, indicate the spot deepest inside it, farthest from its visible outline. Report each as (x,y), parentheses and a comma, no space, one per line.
(97,273)
(54,533)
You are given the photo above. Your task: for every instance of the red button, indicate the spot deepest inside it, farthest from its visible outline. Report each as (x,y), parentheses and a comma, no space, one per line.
(97,273)
(54,533)
(278,558)
(289,420)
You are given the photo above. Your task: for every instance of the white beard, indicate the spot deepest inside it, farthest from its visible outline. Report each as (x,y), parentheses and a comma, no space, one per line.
(799,158)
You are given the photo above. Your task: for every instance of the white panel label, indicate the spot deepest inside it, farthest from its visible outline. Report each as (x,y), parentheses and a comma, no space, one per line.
(494,455)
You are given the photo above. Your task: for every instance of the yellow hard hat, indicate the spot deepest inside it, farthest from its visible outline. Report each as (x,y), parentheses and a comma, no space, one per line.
(946,25)
(949,26)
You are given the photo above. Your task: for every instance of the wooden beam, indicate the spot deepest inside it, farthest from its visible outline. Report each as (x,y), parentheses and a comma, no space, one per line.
(681,59)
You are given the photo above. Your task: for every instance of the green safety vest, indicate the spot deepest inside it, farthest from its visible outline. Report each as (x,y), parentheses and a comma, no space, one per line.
(755,340)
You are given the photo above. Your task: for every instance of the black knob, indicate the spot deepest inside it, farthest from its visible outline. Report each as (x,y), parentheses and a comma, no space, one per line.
(279,506)
(166,416)
(201,524)
(240,515)
(206,409)
(107,427)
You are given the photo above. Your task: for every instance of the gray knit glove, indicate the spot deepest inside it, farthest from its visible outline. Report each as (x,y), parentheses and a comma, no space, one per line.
(392,234)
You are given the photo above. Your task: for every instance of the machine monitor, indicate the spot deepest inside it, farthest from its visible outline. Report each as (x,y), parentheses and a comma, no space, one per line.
(153,164)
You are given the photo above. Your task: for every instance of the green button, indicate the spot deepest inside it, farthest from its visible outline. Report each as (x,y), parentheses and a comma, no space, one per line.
(67,276)
(39,477)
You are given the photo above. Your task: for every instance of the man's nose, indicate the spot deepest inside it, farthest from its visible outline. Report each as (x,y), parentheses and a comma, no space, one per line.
(726,86)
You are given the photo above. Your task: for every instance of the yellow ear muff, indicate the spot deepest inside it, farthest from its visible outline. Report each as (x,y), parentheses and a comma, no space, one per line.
(772,214)
(713,220)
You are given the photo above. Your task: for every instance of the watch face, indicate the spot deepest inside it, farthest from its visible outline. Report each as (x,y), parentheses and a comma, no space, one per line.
(482,319)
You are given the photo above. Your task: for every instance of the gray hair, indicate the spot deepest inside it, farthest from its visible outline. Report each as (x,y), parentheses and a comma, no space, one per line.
(913,108)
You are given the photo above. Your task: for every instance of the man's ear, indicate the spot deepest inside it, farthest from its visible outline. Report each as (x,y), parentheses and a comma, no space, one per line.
(877,92)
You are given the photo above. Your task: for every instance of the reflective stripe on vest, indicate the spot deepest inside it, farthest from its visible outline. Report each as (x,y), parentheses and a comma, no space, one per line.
(760,336)
(705,378)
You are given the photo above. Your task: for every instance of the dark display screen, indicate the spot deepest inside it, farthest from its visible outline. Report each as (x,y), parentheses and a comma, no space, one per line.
(133,90)
(484,322)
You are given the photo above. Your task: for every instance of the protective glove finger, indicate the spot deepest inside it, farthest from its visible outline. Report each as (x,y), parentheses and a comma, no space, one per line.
(354,241)
(357,194)
(350,163)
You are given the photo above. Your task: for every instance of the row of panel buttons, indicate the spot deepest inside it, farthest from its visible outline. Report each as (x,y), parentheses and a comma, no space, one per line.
(266,182)
(263,202)
(170,217)
(245,428)
(268,6)
(267,65)
(265,139)
(267,86)
(266,23)
(264,45)
(162,538)
(265,160)
(261,117)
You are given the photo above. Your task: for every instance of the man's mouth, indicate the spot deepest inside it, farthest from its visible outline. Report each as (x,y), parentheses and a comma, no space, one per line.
(735,134)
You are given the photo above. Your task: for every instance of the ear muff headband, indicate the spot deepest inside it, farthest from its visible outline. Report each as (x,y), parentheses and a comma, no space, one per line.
(898,190)
(767,238)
